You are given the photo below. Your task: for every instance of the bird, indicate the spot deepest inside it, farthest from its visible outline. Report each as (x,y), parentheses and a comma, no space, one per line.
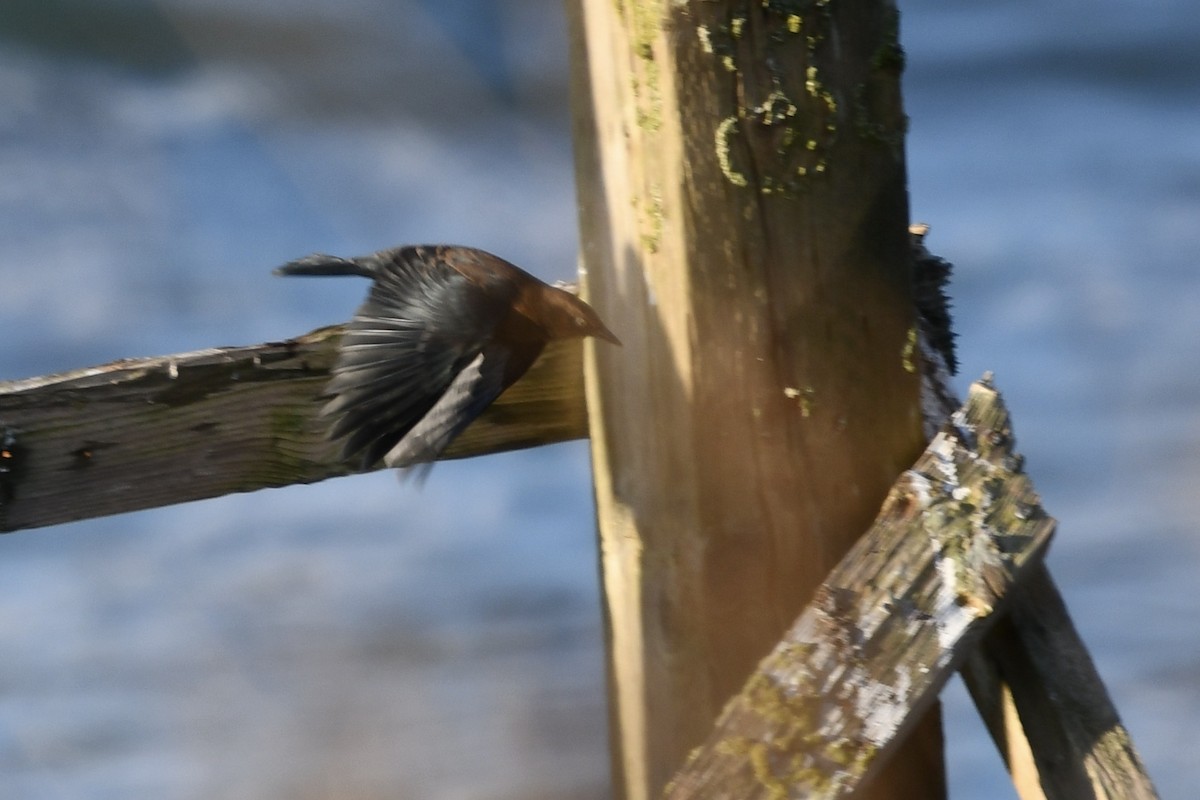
(445,329)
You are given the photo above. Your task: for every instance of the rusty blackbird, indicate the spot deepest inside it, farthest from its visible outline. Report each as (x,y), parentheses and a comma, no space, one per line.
(444,330)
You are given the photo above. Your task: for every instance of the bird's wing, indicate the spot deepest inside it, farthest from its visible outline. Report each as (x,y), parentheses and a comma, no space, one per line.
(421,326)
(471,391)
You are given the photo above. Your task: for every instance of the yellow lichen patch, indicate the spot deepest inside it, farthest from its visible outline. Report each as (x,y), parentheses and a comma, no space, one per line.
(803,397)
(649,114)
(784,118)
(727,128)
(644,17)
(776,108)
(812,83)
(643,20)
(653,220)
(908,355)
(760,762)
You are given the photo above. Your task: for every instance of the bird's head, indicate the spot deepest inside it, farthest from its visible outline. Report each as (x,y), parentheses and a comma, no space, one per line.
(568,317)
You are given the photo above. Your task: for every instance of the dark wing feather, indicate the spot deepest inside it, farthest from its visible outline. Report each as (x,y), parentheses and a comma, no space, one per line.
(471,391)
(421,326)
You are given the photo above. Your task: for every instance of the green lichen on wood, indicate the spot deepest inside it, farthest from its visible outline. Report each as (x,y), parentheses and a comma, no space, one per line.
(868,125)
(890,623)
(760,761)
(975,497)
(889,55)
(791,148)
(651,218)
(649,107)
(784,118)
(657,215)
(287,425)
(797,759)
(643,21)
(875,100)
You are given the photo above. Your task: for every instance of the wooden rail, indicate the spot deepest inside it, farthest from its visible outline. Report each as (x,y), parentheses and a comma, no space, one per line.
(141,433)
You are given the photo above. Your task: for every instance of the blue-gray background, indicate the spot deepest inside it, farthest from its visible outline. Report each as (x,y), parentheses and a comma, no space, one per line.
(364,639)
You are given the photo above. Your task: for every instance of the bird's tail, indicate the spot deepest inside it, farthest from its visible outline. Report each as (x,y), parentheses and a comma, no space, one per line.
(321,264)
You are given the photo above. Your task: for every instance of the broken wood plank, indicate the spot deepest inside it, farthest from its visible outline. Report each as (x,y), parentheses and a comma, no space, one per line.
(141,433)
(824,711)
(1047,709)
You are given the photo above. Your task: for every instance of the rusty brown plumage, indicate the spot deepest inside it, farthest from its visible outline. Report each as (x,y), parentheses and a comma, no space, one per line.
(444,330)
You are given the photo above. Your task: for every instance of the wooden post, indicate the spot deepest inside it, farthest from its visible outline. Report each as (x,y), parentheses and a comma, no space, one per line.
(744,231)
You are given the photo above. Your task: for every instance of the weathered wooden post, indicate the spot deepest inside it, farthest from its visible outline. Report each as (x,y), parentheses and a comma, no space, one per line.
(744,230)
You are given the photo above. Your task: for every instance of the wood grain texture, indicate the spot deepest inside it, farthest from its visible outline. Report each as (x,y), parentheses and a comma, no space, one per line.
(743,217)
(142,433)
(1046,707)
(888,627)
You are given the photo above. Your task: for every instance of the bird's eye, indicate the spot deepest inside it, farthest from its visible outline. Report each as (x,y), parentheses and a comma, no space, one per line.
(580,322)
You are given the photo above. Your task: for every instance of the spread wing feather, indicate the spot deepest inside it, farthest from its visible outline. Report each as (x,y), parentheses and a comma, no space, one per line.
(472,390)
(416,345)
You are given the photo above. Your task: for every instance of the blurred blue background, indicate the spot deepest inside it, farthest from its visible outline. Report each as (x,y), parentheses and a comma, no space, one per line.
(361,638)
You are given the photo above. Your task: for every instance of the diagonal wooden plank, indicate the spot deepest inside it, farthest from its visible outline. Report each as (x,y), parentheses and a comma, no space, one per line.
(1047,709)
(892,622)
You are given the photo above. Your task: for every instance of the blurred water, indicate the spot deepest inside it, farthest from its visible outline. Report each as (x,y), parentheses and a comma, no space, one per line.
(359,638)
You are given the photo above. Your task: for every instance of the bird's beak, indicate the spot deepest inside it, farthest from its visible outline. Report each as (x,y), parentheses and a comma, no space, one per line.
(607,335)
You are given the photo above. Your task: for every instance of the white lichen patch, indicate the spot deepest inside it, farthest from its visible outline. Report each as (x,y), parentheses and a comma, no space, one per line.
(885,709)
(942,449)
(949,615)
(920,488)
(803,397)
(881,707)
(952,619)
